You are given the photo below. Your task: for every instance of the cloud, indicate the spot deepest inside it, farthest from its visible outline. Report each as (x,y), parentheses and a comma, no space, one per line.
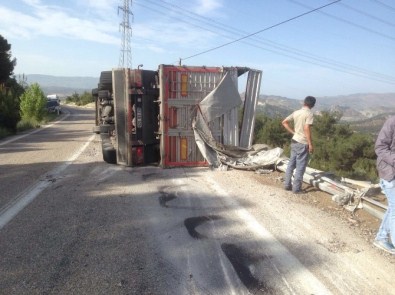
(103,5)
(56,21)
(208,6)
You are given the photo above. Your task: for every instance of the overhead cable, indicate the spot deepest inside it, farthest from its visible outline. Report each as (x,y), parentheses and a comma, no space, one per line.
(278,48)
(384,5)
(367,14)
(346,21)
(208,24)
(260,31)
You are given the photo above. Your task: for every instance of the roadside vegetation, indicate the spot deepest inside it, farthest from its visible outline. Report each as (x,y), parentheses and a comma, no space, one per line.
(80,100)
(32,107)
(337,148)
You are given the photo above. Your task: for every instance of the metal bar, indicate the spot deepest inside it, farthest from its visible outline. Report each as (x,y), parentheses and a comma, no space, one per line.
(120,107)
(373,211)
(373,202)
(250,102)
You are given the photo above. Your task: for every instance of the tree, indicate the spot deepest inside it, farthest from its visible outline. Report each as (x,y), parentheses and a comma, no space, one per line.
(9,105)
(6,64)
(33,103)
(270,131)
(340,150)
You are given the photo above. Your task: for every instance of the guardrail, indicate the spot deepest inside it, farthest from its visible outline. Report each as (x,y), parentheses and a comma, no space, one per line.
(351,194)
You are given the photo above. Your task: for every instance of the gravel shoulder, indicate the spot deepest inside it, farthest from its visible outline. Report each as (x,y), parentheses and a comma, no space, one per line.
(333,242)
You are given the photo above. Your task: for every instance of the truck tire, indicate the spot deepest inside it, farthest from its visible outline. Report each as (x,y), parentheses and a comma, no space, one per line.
(105,81)
(109,154)
(108,150)
(104,94)
(96,129)
(106,77)
(105,128)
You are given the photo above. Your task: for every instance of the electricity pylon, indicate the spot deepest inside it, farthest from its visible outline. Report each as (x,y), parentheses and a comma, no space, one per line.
(125,57)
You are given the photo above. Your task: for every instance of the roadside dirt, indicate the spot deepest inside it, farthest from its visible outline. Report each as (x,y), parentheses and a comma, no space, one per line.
(361,222)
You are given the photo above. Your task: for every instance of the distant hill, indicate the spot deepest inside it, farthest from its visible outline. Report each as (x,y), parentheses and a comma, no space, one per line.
(355,107)
(63,86)
(277,106)
(371,125)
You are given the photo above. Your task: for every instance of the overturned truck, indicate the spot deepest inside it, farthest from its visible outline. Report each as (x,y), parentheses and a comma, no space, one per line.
(177,115)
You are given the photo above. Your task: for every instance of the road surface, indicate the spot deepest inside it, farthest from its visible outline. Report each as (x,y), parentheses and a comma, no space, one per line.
(72,224)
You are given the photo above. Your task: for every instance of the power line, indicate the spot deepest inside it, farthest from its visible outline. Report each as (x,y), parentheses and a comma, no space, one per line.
(278,48)
(383,4)
(260,31)
(346,21)
(367,14)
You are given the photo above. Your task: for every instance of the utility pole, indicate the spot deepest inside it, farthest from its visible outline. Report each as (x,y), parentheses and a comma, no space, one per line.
(125,57)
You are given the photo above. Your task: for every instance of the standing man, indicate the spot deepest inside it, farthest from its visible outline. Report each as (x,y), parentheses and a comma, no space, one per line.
(385,151)
(301,144)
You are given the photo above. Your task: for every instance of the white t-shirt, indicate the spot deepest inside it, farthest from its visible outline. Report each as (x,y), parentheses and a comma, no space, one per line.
(301,118)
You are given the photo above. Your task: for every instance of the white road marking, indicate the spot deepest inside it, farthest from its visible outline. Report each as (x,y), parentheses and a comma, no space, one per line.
(9,211)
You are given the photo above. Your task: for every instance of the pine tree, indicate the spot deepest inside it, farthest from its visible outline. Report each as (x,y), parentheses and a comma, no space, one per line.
(6,64)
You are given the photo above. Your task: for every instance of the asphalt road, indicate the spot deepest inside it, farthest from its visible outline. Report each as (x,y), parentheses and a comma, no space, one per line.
(72,224)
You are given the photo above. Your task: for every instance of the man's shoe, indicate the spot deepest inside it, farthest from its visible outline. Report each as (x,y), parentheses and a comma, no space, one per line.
(288,188)
(384,245)
(298,192)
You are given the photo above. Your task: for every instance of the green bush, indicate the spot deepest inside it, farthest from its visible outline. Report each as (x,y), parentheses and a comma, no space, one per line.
(4,132)
(9,114)
(26,124)
(270,131)
(33,103)
(80,100)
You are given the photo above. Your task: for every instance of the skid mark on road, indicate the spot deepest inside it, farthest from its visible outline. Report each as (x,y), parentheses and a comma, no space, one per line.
(193,222)
(10,210)
(147,176)
(166,197)
(242,261)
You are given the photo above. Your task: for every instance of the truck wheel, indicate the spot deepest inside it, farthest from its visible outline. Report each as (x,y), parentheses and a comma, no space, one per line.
(109,155)
(96,129)
(105,81)
(104,94)
(106,77)
(105,128)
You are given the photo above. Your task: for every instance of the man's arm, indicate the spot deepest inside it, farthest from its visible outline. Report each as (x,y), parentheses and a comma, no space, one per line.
(307,132)
(286,126)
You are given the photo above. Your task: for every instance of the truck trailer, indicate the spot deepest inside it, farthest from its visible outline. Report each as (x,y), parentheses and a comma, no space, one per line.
(176,115)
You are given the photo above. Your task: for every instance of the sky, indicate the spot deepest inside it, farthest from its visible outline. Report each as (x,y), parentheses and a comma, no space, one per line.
(343,48)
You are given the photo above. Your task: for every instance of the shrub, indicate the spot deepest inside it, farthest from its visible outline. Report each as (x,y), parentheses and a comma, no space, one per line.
(80,100)
(33,104)
(26,124)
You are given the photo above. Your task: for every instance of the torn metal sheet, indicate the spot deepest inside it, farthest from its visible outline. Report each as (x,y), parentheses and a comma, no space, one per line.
(223,99)
(257,158)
